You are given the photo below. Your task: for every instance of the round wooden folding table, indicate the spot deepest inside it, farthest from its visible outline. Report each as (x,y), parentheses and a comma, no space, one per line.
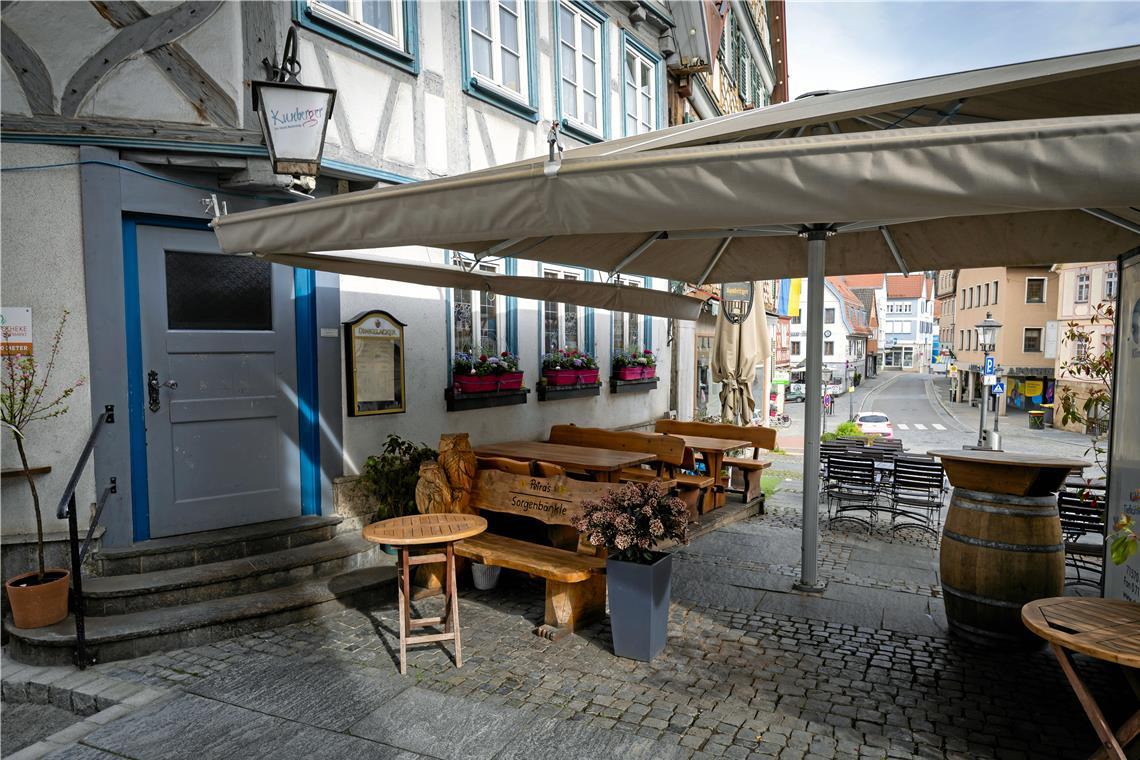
(1107,629)
(424,531)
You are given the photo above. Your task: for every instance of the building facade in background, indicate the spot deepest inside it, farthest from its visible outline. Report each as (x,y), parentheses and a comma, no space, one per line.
(1082,288)
(846,331)
(1024,300)
(907,324)
(945,312)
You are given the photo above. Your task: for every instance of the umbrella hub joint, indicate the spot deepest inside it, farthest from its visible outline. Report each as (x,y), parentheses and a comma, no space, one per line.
(817,232)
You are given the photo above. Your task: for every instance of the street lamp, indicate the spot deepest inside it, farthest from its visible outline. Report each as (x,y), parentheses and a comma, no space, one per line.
(987,341)
(293,117)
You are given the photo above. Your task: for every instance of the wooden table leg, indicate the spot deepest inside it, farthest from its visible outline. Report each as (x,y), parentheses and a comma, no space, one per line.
(403,592)
(714,461)
(453,600)
(613,476)
(1109,743)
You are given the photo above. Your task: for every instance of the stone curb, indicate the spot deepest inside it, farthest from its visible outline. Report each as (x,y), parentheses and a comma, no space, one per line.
(86,693)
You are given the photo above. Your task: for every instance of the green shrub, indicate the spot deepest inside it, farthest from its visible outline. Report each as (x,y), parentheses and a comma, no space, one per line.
(393,473)
(847,428)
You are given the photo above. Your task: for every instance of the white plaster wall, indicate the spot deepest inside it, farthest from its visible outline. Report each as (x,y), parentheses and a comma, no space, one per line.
(42,267)
(424,309)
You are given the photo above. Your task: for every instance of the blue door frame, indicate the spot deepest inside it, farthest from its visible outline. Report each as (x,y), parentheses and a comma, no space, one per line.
(308,406)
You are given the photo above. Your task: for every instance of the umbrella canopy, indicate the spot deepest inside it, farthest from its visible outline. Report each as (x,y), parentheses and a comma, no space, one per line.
(599,295)
(716,213)
(737,349)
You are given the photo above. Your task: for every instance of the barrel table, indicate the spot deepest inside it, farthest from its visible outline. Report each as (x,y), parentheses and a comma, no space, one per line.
(1001,544)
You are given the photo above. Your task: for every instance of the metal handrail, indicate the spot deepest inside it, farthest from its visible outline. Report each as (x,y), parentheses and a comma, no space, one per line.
(67,509)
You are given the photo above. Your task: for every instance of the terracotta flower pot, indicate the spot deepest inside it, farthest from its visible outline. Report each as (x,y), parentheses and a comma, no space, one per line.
(39,604)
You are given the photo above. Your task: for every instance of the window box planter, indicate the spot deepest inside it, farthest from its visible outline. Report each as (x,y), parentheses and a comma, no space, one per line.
(560,376)
(485,383)
(639,385)
(548,392)
(628,373)
(648,372)
(461,401)
(588,376)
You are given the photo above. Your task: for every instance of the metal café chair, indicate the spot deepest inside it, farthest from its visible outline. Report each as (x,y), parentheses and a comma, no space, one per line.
(1082,510)
(851,487)
(917,492)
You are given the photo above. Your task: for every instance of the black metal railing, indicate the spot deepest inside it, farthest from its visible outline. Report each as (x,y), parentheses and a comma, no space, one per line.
(79,551)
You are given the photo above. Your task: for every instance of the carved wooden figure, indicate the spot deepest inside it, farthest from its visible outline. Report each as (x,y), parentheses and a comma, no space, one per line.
(459,462)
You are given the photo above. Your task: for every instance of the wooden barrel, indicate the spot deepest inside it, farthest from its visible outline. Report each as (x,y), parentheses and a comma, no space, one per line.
(999,552)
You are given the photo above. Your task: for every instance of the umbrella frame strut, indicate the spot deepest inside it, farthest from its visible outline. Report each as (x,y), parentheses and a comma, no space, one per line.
(813,414)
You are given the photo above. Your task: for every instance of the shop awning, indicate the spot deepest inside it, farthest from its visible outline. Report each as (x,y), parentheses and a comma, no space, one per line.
(598,295)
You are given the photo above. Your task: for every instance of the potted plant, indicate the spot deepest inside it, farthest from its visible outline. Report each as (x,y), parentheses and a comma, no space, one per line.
(629,522)
(483,373)
(557,369)
(586,367)
(39,597)
(626,367)
(648,363)
(392,475)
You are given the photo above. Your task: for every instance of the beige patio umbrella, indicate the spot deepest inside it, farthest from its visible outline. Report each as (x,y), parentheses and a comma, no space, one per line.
(1056,182)
(737,349)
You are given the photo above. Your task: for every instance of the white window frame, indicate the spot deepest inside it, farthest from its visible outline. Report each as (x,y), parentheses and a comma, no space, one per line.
(829,348)
(620,320)
(582,17)
(1040,340)
(477,298)
(353,21)
(1044,289)
(645,122)
(494,82)
(1111,282)
(563,273)
(1084,280)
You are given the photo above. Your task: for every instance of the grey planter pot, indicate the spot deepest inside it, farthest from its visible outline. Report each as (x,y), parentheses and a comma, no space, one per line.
(639,606)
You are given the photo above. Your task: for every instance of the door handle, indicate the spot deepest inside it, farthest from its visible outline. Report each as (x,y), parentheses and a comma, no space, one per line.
(154,402)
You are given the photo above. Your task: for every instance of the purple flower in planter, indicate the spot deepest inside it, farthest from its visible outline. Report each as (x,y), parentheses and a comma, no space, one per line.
(578,363)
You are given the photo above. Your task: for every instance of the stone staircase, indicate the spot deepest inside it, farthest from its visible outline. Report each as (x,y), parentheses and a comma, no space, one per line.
(190,590)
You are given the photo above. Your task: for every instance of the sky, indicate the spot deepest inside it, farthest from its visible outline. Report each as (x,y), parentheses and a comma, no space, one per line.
(845,45)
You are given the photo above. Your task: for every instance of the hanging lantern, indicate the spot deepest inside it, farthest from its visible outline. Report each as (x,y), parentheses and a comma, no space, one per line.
(293,117)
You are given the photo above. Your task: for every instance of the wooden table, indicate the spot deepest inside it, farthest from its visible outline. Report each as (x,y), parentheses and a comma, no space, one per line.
(426,530)
(1007,472)
(1107,629)
(713,451)
(604,465)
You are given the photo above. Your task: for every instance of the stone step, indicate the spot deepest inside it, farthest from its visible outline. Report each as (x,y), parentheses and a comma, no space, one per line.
(117,637)
(215,545)
(121,594)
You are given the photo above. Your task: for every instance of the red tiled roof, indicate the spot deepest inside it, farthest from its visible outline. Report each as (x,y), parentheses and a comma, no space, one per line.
(908,286)
(863,280)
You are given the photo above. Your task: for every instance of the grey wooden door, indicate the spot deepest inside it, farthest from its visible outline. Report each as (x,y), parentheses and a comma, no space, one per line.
(219,356)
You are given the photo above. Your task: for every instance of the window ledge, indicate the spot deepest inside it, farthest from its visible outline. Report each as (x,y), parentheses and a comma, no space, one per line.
(494,96)
(580,133)
(633,386)
(547,392)
(461,402)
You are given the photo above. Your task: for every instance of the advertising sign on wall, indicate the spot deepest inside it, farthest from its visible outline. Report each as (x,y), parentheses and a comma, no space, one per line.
(1123,581)
(16,331)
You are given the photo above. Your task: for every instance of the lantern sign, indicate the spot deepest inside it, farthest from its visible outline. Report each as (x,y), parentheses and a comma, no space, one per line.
(736,299)
(293,117)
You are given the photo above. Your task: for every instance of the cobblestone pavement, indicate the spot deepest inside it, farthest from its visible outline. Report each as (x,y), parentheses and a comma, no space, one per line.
(750,669)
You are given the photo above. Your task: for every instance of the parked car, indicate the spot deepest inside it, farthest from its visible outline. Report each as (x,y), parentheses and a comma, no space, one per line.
(875,423)
(794,392)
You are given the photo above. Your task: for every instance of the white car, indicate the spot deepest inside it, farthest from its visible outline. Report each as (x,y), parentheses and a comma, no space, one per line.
(875,423)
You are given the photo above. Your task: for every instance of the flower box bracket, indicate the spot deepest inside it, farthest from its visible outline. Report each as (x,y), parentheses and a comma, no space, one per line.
(548,392)
(458,401)
(633,386)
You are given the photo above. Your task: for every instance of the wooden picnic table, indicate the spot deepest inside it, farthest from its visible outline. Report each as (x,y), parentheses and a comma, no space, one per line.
(1107,629)
(426,530)
(713,451)
(604,465)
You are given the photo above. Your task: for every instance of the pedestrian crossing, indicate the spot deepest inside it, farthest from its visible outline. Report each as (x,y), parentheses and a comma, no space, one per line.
(918,426)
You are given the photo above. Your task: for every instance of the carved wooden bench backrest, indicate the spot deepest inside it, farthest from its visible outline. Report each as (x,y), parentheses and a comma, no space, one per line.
(668,449)
(759,437)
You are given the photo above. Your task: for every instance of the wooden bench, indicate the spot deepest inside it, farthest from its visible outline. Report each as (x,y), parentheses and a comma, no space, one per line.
(753,468)
(671,452)
(575,577)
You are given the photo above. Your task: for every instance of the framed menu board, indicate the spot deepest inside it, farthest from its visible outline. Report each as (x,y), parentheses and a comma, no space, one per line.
(374,364)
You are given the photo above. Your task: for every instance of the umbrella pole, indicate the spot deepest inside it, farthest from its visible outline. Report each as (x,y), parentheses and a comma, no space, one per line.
(809,552)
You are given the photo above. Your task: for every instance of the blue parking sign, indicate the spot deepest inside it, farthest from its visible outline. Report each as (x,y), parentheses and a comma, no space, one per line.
(990,366)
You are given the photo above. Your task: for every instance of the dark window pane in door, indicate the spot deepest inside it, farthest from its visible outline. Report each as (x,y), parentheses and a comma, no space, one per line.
(212,292)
